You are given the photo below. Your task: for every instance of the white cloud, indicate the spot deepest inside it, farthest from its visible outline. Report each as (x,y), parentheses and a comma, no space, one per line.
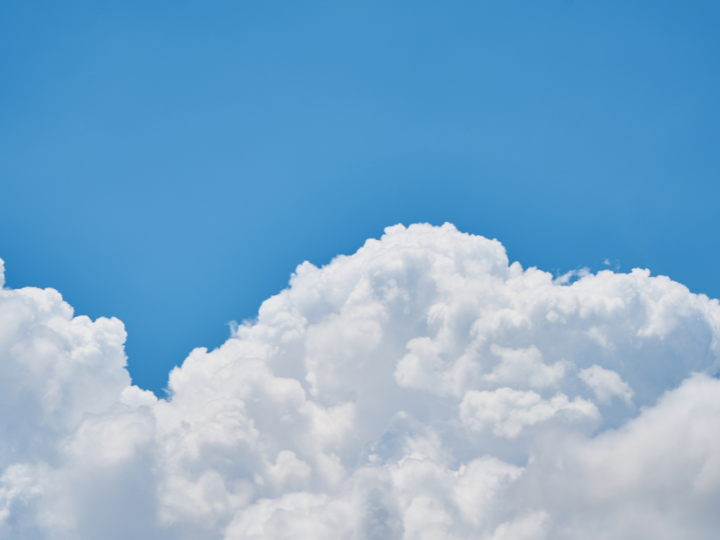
(606,384)
(530,527)
(421,388)
(525,367)
(509,411)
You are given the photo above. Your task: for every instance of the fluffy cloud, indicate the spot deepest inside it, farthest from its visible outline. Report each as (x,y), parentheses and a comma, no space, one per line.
(606,384)
(422,388)
(510,410)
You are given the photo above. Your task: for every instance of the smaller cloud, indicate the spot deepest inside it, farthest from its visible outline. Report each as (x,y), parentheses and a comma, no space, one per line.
(509,411)
(530,527)
(606,384)
(525,366)
(135,397)
(569,277)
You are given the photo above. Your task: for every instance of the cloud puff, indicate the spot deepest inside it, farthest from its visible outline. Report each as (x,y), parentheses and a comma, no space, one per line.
(421,388)
(510,410)
(606,384)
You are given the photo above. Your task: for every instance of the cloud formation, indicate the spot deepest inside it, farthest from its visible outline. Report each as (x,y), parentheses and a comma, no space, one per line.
(422,388)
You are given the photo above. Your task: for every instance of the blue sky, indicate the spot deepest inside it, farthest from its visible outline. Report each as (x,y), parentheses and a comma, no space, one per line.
(171,163)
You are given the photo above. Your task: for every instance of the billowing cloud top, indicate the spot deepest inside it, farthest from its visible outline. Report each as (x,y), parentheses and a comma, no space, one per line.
(422,388)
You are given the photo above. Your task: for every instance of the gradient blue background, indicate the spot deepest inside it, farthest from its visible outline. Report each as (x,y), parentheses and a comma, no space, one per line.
(170,163)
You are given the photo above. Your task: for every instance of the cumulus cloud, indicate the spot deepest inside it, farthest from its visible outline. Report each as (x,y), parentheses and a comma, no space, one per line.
(421,388)
(510,410)
(606,384)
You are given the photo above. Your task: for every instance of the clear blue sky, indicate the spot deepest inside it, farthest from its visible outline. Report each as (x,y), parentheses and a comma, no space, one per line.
(170,163)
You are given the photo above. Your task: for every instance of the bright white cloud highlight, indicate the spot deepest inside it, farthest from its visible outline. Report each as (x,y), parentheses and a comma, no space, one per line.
(508,410)
(422,388)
